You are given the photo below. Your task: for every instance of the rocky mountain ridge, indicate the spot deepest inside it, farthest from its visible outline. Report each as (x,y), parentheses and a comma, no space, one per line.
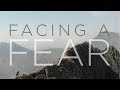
(71,68)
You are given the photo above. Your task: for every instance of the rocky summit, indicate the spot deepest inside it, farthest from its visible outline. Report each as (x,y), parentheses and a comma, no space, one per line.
(71,68)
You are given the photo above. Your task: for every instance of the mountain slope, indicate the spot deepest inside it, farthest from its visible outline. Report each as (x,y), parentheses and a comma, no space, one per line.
(71,68)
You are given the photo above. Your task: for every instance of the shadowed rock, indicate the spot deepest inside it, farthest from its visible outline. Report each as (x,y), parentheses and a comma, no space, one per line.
(71,68)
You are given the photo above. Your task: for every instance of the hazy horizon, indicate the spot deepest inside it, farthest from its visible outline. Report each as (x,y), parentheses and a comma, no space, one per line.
(92,20)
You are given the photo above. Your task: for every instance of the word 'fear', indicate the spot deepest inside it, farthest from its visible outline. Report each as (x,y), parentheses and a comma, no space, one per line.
(63,54)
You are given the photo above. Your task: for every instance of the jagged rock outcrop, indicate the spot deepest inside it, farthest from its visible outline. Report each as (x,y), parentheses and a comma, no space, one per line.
(71,68)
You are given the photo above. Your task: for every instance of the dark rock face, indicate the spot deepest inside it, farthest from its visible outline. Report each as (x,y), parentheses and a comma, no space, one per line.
(71,68)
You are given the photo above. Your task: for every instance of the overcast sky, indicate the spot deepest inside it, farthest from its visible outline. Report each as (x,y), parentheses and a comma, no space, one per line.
(93,21)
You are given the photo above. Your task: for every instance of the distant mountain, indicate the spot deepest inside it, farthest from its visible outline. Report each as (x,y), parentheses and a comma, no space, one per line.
(23,63)
(4,49)
(71,68)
